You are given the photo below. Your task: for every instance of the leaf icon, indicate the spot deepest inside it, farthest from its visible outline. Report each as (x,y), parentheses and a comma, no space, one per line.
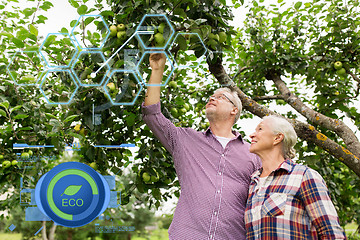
(72,190)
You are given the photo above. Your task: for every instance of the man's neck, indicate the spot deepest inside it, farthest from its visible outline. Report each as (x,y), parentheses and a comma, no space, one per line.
(222,130)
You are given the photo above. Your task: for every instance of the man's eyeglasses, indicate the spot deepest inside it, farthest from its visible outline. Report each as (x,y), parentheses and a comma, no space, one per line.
(221,97)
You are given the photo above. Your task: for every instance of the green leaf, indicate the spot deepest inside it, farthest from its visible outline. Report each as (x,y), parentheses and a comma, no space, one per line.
(71,190)
(18,43)
(5,104)
(21,116)
(50,115)
(2,113)
(107,13)
(15,108)
(33,30)
(298,5)
(25,128)
(70,118)
(182,42)
(82,9)
(74,3)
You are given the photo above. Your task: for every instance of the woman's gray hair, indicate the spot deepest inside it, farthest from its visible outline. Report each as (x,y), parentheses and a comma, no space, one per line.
(235,98)
(280,125)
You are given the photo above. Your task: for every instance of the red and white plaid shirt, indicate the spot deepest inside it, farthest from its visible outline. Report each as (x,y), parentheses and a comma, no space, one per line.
(293,203)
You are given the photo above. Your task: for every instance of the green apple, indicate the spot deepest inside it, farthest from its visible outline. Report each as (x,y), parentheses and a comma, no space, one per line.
(6,164)
(121,27)
(183,110)
(167,181)
(1,157)
(214,36)
(159,38)
(222,37)
(113,30)
(187,106)
(25,155)
(121,35)
(146,177)
(154,179)
(30,153)
(94,165)
(161,27)
(212,43)
(341,72)
(172,84)
(111,86)
(338,65)
(174,112)
(14,162)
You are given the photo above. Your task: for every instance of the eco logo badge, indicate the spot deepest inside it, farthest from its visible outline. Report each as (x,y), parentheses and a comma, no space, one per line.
(72,194)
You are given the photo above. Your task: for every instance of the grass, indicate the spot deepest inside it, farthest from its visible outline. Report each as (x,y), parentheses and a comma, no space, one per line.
(10,236)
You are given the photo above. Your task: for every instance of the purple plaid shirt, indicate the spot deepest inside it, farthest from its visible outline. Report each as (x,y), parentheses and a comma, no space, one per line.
(214,181)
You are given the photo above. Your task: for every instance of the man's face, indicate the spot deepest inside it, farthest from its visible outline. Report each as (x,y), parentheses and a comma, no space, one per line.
(219,106)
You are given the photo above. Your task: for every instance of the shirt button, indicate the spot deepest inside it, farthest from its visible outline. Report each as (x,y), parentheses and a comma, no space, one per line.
(211,236)
(222,155)
(219,173)
(215,213)
(218,191)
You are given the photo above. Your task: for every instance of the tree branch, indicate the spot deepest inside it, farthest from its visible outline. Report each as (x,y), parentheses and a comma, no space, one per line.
(304,131)
(257,98)
(339,127)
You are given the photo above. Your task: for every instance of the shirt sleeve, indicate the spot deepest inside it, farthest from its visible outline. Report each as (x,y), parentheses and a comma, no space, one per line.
(322,213)
(162,127)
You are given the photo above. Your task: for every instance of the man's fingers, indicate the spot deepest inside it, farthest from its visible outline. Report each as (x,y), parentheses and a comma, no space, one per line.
(156,56)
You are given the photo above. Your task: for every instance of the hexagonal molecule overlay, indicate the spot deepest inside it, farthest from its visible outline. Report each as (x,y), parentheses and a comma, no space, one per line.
(87,63)
(90,32)
(126,54)
(123,87)
(58,86)
(26,67)
(187,50)
(58,50)
(144,69)
(155,31)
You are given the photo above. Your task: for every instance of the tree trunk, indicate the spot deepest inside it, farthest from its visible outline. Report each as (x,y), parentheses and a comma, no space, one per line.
(129,236)
(52,232)
(69,234)
(43,231)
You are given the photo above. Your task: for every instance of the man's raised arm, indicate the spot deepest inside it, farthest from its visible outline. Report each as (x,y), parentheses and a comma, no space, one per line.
(157,64)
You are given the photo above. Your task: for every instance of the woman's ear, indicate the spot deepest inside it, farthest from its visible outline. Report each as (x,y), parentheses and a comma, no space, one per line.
(278,138)
(235,111)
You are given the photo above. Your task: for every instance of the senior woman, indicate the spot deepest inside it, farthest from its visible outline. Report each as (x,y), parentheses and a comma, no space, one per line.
(286,200)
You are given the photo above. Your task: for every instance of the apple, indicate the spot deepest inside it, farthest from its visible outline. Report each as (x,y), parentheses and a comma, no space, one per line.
(30,153)
(121,27)
(154,179)
(159,38)
(214,36)
(212,43)
(25,155)
(183,110)
(222,37)
(338,65)
(111,86)
(94,165)
(77,127)
(341,72)
(121,34)
(14,162)
(1,157)
(187,106)
(167,181)
(82,132)
(161,27)
(174,112)
(172,84)
(113,30)
(6,164)
(146,177)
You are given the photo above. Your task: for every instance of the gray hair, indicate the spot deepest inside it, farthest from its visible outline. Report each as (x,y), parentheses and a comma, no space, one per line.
(235,99)
(280,125)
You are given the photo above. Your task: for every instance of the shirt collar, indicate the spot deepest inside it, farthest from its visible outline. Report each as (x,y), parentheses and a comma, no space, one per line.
(286,165)
(237,134)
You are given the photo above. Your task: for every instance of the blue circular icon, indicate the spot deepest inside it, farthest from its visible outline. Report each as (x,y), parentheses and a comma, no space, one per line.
(72,194)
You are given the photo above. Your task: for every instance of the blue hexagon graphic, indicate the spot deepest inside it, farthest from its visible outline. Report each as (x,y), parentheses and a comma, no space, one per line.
(67,96)
(143,74)
(64,46)
(95,36)
(183,41)
(26,68)
(90,68)
(147,30)
(122,88)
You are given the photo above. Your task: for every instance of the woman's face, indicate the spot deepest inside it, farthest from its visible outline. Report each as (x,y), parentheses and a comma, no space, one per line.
(263,138)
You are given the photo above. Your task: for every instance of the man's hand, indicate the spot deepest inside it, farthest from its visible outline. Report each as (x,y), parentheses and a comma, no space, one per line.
(157,61)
